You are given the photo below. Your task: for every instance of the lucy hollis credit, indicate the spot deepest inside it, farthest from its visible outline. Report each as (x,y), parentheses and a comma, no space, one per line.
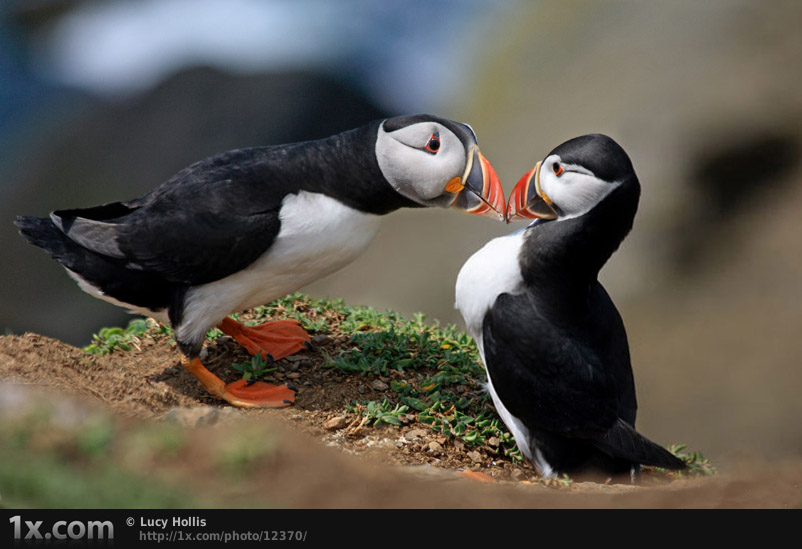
(176,521)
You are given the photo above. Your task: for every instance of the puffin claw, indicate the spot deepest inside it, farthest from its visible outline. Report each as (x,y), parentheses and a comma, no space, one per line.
(292,388)
(309,346)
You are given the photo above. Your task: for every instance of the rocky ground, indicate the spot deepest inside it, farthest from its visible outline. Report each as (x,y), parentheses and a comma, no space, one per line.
(321,452)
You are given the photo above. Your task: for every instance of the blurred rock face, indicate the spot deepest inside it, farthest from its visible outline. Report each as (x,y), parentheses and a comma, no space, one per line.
(705,99)
(686,88)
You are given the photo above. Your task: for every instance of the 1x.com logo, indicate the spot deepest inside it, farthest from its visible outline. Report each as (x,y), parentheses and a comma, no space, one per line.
(76,529)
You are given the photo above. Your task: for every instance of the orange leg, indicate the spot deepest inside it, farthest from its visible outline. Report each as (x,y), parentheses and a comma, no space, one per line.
(278,338)
(239,393)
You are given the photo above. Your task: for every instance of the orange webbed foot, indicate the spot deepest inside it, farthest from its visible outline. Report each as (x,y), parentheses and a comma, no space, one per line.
(278,338)
(259,394)
(241,393)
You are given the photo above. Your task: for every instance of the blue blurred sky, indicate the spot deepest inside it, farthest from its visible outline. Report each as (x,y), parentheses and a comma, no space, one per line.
(82,87)
(399,51)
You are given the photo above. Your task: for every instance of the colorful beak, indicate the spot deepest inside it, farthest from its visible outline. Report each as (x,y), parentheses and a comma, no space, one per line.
(528,201)
(479,190)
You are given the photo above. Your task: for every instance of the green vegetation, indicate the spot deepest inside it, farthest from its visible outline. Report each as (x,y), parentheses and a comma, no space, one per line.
(108,340)
(51,457)
(380,412)
(254,369)
(698,465)
(442,374)
(48,462)
(484,429)
(245,450)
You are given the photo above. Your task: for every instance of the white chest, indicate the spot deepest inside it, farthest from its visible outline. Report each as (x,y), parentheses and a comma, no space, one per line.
(318,235)
(489,272)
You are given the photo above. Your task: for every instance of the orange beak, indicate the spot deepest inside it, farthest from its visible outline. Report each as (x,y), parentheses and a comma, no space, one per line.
(479,191)
(527,200)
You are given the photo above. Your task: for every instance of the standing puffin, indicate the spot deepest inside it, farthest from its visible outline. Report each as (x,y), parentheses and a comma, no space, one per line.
(245,227)
(553,344)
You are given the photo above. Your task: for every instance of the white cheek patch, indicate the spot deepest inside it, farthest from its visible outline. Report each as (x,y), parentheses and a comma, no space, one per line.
(576,191)
(414,172)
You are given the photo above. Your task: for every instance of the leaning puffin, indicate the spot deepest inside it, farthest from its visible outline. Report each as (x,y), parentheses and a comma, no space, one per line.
(553,343)
(245,227)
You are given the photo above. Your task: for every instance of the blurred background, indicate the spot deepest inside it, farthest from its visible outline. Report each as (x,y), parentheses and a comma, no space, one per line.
(103,100)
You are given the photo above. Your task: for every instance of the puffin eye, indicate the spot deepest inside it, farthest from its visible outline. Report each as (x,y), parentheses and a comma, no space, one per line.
(557,168)
(434,144)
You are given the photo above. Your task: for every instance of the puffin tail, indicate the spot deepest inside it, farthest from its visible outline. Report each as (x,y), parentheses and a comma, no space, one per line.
(86,248)
(47,234)
(71,236)
(42,232)
(624,442)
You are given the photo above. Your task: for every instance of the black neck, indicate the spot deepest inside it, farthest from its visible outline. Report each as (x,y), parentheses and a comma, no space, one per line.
(561,260)
(342,166)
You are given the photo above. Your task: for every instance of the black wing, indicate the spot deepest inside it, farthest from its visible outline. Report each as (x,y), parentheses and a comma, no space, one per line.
(545,375)
(610,337)
(209,221)
(570,379)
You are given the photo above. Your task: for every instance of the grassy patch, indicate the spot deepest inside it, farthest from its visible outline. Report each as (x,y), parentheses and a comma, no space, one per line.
(380,412)
(46,464)
(244,451)
(108,340)
(697,464)
(255,369)
(434,371)
(44,481)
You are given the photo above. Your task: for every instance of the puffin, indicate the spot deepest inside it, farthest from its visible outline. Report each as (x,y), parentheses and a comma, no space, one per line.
(552,342)
(245,227)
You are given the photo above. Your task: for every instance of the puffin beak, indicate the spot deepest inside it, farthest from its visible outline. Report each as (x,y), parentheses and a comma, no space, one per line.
(528,201)
(479,190)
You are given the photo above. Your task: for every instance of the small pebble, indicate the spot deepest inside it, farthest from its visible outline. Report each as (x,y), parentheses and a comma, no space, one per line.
(379,385)
(335,423)
(414,433)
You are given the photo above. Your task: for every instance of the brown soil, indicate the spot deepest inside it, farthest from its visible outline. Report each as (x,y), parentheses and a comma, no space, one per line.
(148,384)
